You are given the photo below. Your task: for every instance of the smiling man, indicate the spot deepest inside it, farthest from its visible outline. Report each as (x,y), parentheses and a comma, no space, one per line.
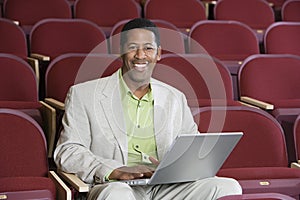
(119,127)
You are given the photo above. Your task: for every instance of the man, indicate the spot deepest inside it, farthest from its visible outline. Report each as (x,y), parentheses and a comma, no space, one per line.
(118,127)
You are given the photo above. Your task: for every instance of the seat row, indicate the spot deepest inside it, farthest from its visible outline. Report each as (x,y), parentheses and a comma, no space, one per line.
(220,38)
(267,81)
(257,14)
(229,41)
(259,161)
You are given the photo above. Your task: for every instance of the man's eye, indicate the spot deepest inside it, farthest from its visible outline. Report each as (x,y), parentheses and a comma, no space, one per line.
(132,47)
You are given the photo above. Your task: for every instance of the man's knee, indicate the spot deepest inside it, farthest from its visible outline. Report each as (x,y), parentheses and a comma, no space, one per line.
(226,186)
(216,187)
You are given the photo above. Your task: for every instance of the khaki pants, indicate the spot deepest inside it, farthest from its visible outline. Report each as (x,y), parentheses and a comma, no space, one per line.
(206,189)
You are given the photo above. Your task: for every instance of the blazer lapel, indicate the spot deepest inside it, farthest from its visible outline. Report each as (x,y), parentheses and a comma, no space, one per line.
(112,107)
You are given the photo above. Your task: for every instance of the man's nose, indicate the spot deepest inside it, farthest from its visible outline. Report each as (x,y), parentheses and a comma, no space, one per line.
(140,53)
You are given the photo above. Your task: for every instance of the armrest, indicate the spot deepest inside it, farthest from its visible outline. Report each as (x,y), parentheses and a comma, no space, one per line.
(295,165)
(76,182)
(40,57)
(49,116)
(34,63)
(247,104)
(16,22)
(62,190)
(55,103)
(258,103)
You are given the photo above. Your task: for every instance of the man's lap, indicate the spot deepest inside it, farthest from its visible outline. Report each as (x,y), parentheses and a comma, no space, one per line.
(209,188)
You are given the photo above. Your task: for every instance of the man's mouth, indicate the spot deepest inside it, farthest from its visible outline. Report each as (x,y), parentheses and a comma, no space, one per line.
(140,66)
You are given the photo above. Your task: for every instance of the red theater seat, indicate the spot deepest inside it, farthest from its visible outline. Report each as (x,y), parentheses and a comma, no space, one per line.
(50,38)
(270,82)
(229,41)
(290,11)
(23,154)
(29,12)
(204,80)
(283,38)
(183,14)
(257,14)
(259,161)
(12,39)
(106,13)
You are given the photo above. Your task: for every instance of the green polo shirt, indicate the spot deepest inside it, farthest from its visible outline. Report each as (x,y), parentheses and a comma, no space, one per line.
(138,115)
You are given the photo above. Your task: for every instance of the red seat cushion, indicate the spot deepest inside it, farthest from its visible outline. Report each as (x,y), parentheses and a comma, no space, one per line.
(15,184)
(259,173)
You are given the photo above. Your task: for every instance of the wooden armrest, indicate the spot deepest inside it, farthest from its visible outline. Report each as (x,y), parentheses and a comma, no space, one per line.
(55,103)
(49,116)
(255,102)
(295,165)
(250,105)
(62,190)
(40,57)
(76,182)
(16,22)
(34,63)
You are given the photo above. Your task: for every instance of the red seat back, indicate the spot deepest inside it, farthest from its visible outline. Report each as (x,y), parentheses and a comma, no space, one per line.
(70,69)
(271,78)
(12,39)
(198,76)
(106,13)
(18,80)
(283,38)
(23,151)
(30,12)
(263,142)
(54,37)
(183,14)
(290,11)
(225,40)
(257,14)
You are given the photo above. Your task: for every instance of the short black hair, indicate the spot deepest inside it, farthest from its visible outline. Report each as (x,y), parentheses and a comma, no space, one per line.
(139,23)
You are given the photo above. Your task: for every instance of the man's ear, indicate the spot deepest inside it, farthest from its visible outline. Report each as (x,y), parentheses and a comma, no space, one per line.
(159,53)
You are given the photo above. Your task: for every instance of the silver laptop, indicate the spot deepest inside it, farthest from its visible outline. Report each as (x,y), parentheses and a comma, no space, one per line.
(192,157)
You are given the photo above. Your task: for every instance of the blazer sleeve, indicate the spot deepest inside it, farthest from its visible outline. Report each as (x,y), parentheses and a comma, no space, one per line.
(73,154)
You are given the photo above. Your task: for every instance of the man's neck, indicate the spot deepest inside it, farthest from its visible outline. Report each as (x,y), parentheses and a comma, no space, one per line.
(141,91)
(138,89)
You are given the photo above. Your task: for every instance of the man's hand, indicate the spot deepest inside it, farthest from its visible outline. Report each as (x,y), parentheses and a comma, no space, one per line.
(127,173)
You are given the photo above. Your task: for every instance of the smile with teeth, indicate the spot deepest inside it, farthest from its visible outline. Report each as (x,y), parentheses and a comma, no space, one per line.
(140,66)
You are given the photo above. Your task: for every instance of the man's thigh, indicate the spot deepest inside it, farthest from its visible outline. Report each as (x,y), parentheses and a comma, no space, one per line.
(209,188)
(117,191)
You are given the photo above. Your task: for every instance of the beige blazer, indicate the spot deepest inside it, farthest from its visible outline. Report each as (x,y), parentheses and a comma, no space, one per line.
(94,139)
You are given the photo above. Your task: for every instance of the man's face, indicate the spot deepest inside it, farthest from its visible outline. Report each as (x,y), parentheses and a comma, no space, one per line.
(140,54)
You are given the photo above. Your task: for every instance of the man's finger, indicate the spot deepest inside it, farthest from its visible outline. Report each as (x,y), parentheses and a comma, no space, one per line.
(153,160)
